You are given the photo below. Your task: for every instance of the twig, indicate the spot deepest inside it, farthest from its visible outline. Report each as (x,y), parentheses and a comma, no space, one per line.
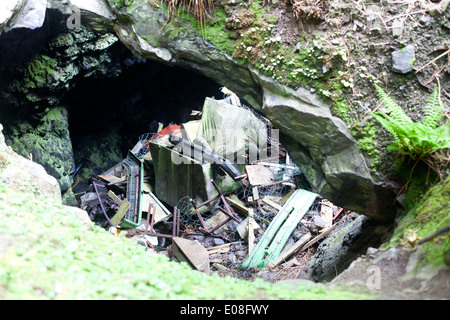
(434,234)
(438,57)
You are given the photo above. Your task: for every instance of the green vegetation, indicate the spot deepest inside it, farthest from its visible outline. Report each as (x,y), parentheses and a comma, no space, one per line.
(122,3)
(421,141)
(428,215)
(415,139)
(248,36)
(38,71)
(48,253)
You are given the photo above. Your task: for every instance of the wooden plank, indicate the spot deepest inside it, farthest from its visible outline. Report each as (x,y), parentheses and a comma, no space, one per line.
(192,252)
(123,208)
(242,228)
(118,180)
(291,251)
(259,175)
(324,234)
(251,234)
(114,197)
(221,248)
(326,211)
(255,193)
(272,204)
(237,204)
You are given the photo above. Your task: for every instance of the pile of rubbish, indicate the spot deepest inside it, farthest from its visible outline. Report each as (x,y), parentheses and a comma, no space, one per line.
(218,192)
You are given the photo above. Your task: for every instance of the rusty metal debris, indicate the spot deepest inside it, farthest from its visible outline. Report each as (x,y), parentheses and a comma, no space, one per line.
(240,213)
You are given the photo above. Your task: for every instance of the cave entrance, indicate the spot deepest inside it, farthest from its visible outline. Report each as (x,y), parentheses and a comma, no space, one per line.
(108,114)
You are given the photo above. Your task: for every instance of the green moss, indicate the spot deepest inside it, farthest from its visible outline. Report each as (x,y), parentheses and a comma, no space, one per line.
(60,258)
(428,215)
(122,3)
(39,70)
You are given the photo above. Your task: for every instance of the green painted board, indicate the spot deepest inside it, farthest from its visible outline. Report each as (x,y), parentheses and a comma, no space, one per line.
(306,200)
(280,229)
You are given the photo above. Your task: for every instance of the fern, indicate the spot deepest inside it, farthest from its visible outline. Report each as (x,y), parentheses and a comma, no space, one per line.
(397,113)
(433,111)
(415,139)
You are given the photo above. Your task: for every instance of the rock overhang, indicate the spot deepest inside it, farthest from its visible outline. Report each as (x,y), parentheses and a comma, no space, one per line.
(327,152)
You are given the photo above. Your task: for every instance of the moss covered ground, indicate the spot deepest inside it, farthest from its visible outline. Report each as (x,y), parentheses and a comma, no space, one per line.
(429,214)
(47,252)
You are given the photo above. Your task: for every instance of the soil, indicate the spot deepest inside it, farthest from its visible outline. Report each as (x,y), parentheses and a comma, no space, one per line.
(396,281)
(368,34)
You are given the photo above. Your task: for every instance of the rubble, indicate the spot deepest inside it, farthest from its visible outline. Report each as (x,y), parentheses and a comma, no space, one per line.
(232,204)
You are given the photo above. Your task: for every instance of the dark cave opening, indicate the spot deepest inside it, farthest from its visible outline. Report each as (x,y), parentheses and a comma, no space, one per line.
(144,94)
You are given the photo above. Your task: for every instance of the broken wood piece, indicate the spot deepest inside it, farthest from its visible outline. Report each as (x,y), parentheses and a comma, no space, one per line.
(316,239)
(153,217)
(259,175)
(114,197)
(191,252)
(123,208)
(110,179)
(255,193)
(292,250)
(251,235)
(326,212)
(118,180)
(271,203)
(242,228)
(237,204)
(219,267)
(219,249)
(148,219)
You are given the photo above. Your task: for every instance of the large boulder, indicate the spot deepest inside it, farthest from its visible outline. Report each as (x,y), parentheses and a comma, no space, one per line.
(28,14)
(17,172)
(323,147)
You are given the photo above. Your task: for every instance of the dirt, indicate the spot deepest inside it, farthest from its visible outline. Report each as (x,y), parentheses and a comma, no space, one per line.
(367,34)
(388,274)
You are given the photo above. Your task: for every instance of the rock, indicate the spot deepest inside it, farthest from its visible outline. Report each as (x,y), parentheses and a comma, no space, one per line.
(324,149)
(80,214)
(30,15)
(102,152)
(403,60)
(146,32)
(17,171)
(338,250)
(43,131)
(397,28)
(7,10)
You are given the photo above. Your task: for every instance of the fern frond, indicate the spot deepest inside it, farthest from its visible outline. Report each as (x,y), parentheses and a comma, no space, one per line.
(433,110)
(415,139)
(395,111)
